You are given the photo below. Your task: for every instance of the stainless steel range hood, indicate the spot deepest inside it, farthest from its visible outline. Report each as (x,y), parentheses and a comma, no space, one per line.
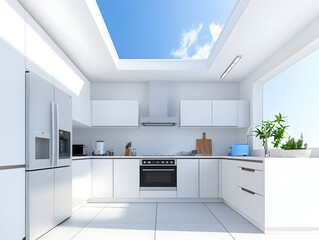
(158,107)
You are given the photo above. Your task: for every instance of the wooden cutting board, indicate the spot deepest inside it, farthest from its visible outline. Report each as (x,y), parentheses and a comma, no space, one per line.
(204,146)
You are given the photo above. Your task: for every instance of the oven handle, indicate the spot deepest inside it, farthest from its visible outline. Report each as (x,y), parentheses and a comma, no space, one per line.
(159,170)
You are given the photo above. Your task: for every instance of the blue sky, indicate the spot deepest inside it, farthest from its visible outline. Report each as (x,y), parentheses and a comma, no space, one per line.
(165,29)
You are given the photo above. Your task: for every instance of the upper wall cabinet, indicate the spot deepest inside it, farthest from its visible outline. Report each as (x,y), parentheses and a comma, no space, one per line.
(224,113)
(39,50)
(69,79)
(216,113)
(115,113)
(12,91)
(196,113)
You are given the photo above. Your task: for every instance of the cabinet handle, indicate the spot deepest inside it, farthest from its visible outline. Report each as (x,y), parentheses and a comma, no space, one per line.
(248,169)
(248,191)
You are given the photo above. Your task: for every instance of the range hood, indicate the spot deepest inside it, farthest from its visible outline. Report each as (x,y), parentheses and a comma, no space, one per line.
(158,107)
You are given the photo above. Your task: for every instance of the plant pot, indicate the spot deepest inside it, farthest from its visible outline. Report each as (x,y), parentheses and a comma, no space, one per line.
(295,153)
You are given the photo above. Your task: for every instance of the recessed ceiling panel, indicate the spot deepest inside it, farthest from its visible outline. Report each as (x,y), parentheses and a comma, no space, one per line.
(165,29)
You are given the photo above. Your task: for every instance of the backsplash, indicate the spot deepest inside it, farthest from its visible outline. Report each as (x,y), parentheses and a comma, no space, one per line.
(157,140)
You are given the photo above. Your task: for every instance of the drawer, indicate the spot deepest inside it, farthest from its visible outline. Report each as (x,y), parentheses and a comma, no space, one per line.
(251,179)
(252,205)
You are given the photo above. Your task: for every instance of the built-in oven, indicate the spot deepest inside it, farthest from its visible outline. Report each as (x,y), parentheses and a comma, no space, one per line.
(64,144)
(158,175)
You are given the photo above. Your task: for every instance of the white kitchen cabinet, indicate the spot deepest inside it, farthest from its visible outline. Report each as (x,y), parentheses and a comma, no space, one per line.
(12,90)
(208,178)
(39,50)
(102,178)
(195,113)
(62,194)
(81,182)
(126,178)
(64,104)
(229,182)
(115,113)
(70,80)
(224,113)
(12,202)
(243,114)
(40,202)
(187,178)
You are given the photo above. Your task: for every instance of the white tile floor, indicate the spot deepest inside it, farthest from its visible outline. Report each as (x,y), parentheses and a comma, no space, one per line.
(161,221)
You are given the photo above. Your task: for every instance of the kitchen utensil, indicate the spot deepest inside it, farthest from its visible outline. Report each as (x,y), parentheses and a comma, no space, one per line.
(98,147)
(204,146)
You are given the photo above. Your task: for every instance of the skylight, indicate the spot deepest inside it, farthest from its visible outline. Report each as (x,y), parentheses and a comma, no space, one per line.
(165,29)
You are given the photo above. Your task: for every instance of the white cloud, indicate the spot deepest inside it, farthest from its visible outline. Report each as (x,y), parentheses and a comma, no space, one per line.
(188,39)
(189,49)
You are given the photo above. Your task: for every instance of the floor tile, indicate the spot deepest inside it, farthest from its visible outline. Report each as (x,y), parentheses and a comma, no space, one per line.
(191,231)
(133,206)
(110,215)
(230,217)
(190,207)
(219,207)
(65,232)
(117,232)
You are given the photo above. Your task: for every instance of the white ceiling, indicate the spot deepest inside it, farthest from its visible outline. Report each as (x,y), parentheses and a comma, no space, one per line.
(264,26)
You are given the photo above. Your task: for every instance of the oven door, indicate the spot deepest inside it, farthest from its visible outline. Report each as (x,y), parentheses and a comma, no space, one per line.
(158,178)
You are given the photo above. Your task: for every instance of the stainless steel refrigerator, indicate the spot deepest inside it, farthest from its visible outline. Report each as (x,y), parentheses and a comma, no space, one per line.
(48,156)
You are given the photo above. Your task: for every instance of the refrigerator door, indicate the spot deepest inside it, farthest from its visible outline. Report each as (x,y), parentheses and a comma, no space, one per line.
(63,194)
(63,116)
(39,202)
(39,122)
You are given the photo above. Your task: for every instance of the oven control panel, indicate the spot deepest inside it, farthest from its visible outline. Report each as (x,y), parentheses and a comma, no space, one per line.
(158,162)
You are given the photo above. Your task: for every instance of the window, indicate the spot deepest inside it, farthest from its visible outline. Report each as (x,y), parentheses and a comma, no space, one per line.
(295,93)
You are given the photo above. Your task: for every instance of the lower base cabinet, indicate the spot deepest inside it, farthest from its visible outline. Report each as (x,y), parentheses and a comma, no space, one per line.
(102,178)
(187,178)
(81,182)
(229,182)
(208,178)
(126,178)
(12,204)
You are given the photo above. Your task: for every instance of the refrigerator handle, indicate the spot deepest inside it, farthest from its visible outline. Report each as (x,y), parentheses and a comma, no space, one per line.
(57,141)
(53,136)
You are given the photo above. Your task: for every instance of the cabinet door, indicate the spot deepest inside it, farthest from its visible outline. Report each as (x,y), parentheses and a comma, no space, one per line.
(187,178)
(224,113)
(243,114)
(12,203)
(62,194)
(81,182)
(39,50)
(64,104)
(229,182)
(115,113)
(40,203)
(12,90)
(126,178)
(195,113)
(208,178)
(102,178)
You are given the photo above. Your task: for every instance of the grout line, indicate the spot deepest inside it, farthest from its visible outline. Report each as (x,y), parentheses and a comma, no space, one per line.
(155,221)
(218,220)
(90,221)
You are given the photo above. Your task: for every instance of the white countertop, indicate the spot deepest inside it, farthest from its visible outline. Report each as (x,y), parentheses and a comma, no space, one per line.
(250,158)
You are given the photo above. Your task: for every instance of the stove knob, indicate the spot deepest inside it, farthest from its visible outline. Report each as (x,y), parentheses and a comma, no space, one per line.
(143,162)
(149,162)
(163,162)
(167,161)
(172,162)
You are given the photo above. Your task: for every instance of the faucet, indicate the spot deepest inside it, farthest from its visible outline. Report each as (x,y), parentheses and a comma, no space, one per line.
(249,134)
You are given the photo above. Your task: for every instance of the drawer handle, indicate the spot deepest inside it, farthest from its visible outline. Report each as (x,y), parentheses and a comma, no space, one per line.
(248,169)
(248,191)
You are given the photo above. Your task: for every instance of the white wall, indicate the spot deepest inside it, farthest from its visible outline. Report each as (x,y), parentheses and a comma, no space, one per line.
(160,140)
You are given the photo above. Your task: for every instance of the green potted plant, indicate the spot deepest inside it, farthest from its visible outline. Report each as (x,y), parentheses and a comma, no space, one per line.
(295,148)
(274,129)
